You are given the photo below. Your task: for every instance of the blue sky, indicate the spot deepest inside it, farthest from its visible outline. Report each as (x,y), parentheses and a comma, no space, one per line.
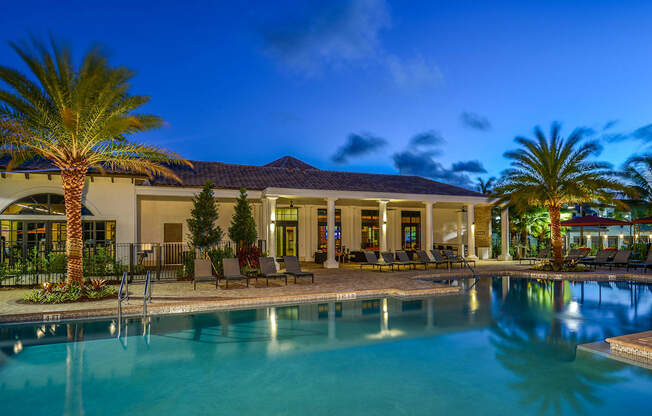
(434,88)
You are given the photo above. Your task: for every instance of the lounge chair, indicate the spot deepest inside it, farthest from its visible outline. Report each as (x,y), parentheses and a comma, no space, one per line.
(268,270)
(388,258)
(621,259)
(372,261)
(423,256)
(454,258)
(637,264)
(203,272)
(542,255)
(232,271)
(436,254)
(293,268)
(403,258)
(601,258)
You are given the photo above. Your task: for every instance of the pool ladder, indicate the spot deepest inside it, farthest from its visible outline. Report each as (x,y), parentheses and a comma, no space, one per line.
(476,277)
(123,295)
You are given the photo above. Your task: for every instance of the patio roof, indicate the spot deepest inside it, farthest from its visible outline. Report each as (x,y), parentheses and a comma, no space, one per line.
(646,220)
(591,221)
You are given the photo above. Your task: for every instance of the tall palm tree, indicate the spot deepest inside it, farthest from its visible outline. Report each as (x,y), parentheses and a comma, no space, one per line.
(485,186)
(553,171)
(78,117)
(638,169)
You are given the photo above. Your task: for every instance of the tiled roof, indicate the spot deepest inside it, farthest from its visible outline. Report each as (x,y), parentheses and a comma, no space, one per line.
(230,176)
(289,162)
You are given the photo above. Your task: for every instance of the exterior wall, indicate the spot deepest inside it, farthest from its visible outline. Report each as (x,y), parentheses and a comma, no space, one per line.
(110,201)
(483,228)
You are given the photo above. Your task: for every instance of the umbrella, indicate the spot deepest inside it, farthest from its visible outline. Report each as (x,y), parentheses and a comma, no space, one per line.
(591,221)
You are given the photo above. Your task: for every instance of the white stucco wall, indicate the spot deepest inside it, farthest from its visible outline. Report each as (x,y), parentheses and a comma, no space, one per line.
(115,201)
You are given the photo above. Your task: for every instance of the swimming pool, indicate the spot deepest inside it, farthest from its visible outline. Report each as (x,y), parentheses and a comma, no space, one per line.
(507,346)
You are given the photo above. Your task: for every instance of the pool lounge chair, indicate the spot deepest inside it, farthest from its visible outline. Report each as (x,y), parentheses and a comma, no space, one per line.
(602,257)
(403,258)
(293,268)
(268,270)
(637,264)
(423,256)
(232,271)
(436,254)
(388,258)
(372,261)
(621,259)
(454,258)
(203,272)
(543,254)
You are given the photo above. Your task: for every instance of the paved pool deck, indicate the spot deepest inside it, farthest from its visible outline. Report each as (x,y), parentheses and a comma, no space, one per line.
(347,282)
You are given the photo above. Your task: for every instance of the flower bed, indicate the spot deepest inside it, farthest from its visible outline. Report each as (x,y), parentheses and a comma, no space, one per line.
(71,292)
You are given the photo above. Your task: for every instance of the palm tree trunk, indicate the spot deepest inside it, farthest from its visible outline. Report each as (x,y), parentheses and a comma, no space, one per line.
(556,235)
(73,185)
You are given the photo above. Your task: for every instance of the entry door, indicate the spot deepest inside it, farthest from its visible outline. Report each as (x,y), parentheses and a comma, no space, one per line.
(172,247)
(287,240)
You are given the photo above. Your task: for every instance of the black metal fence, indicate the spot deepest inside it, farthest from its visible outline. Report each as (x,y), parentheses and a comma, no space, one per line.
(20,266)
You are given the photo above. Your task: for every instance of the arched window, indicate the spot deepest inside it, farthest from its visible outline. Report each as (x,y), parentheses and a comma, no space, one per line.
(40,204)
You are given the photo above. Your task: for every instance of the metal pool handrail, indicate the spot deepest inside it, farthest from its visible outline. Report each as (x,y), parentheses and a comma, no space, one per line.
(147,295)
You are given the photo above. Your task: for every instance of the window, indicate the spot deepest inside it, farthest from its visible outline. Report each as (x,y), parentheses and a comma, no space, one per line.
(370,231)
(322,229)
(287,214)
(410,229)
(40,204)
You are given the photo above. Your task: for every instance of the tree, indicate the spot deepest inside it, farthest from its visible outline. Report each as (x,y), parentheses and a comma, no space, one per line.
(204,232)
(485,187)
(553,172)
(638,170)
(243,227)
(78,117)
(532,221)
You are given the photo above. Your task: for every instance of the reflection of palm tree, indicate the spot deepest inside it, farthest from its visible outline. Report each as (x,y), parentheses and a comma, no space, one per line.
(537,352)
(536,360)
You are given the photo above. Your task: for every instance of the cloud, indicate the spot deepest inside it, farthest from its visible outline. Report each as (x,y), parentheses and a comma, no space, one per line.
(609,124)
(643,133)
(423,164)
(475,121)
(414,72)
(328,34)
(472,166)
(427,138)
(340,34)
(358,145)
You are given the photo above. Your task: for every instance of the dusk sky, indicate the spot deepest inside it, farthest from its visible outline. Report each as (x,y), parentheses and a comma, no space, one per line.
(438,89)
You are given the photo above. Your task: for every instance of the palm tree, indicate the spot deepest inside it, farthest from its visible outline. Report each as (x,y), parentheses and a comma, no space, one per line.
(551,172)
(485,187)
(638,169)
(77,117)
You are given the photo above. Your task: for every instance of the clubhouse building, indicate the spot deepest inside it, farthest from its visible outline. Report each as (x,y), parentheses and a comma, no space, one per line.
(295,206)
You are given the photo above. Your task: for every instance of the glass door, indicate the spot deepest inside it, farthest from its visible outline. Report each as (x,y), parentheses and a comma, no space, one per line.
(287,240)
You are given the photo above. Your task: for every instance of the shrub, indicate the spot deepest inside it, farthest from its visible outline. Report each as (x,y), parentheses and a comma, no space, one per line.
(548,266)
(70,292)
(218,254)
(248,256)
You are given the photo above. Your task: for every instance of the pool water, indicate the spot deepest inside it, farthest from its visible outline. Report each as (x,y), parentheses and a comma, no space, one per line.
(507,346)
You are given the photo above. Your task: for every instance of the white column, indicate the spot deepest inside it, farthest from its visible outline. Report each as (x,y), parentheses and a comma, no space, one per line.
(271,229)
(504,235)
(429,228)
(330,262)
(460,243)
(382,219)
(470,231)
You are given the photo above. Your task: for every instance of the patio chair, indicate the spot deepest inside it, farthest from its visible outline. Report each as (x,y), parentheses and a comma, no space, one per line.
(232,271)
(268,270)
(621,259)
(436,254)
(203,272)
(454,258)
(638,264)
(425,259)
(543,254)
(403,258)
(388,258)
(293,268)
(372,261)
(602,257)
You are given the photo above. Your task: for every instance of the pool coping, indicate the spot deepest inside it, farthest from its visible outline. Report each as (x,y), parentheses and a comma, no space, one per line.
(534,274)
(189,306)
(605,349)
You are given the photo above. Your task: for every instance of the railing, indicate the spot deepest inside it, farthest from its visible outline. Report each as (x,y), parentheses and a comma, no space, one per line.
(20,266)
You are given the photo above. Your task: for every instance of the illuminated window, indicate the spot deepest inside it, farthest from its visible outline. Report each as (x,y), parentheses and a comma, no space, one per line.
(40,204)
(370,231)
(287,214)
(322,229)
(410,229)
